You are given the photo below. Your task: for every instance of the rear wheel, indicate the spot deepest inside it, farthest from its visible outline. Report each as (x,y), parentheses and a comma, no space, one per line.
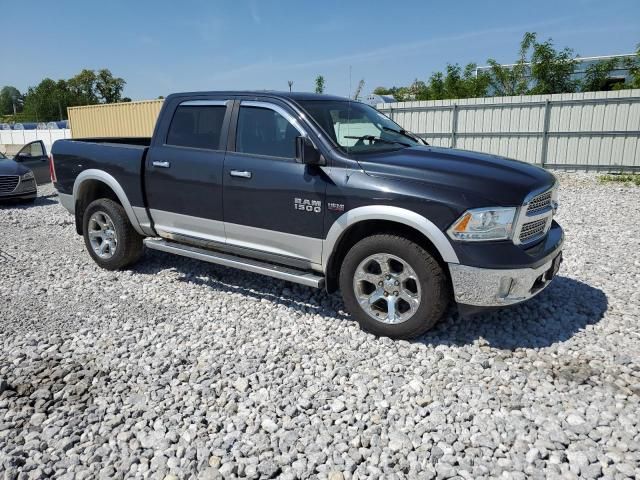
(393,286)
(110,238)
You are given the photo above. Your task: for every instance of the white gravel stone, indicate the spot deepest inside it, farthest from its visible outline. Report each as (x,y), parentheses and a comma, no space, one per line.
(180,369)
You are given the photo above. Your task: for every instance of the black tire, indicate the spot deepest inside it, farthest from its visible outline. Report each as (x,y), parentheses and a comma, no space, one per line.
(129,242)
(432,280)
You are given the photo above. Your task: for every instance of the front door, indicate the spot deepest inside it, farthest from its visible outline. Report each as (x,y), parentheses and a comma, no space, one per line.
(272,204)
(183,178)
(34,156)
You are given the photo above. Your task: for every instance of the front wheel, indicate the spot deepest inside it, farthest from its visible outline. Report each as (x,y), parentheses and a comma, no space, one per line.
(110,238)
(393,287)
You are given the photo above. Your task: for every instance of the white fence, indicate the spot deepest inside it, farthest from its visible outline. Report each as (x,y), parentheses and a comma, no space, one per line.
(12,140)
(592,131)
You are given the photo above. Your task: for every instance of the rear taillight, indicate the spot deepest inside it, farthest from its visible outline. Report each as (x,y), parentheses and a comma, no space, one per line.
(52,169)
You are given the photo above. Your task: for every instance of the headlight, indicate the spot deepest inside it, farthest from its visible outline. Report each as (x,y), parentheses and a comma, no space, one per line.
(483,224)
(27,176)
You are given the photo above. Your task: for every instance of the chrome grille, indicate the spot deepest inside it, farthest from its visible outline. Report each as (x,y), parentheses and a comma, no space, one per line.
(8,183)
(532,230)
(539,203)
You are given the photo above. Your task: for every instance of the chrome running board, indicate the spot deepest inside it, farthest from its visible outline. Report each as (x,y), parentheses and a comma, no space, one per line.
(283,273)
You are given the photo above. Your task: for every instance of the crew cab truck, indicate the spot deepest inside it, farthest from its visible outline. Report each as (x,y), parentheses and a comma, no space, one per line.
(323,191)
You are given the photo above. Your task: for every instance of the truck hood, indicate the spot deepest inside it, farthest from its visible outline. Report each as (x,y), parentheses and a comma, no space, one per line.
(9,167)
(497,180)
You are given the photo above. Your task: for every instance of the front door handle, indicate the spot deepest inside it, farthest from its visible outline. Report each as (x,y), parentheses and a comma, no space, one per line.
(161,164)
(240,173)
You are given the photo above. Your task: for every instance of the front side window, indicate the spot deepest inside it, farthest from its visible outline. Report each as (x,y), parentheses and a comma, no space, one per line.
(262,131)
(197,126)
(358,128)
(35,149)
(31,150)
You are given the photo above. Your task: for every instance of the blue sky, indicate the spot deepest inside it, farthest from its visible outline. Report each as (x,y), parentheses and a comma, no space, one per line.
(163,47)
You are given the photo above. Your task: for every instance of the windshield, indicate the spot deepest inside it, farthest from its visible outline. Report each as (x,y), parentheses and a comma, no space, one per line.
(358,128)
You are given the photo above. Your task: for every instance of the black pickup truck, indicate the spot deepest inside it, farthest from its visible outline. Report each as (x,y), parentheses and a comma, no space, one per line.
(323,191)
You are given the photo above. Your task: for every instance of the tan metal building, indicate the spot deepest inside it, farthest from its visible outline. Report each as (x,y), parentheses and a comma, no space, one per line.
(130,119)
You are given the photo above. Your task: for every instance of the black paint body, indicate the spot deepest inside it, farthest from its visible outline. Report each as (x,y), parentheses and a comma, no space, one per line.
(437,183)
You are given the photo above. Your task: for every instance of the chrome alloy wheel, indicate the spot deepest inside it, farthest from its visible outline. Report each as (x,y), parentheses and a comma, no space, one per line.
(387,288)
(102,235)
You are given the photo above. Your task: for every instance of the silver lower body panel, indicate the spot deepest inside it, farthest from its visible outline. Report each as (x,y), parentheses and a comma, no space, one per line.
(484,287)
(67,202)
(284,273)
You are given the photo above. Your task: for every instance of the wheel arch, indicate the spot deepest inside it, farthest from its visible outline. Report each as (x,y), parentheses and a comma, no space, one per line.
(356,224)
(93,184)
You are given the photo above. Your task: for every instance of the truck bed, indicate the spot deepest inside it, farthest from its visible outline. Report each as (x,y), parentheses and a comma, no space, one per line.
(122,158)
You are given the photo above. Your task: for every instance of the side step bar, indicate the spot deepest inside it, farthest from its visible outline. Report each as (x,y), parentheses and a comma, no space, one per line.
(284,273)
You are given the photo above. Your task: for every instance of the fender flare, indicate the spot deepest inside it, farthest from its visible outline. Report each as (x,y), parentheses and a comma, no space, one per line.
(394,214)
(111,182)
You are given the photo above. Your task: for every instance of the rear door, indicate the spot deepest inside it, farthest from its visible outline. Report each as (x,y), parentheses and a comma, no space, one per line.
(183,177)
(272,204)
(34,156)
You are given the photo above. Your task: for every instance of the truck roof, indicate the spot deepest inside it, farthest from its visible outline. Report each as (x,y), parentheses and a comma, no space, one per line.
(267,93)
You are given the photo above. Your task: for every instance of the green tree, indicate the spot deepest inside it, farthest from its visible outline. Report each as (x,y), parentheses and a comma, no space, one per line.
(41,102)
(49,99)
(10,100)
(597,75)
(540,69)
(83,88)
(418,90)
(454,83)
(319,84)
(512,79)
(551,69)
(382,90)
(108,87)
(633,64)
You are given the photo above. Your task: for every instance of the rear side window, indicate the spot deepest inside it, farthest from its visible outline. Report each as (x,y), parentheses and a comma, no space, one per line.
(197,126)
(262,131)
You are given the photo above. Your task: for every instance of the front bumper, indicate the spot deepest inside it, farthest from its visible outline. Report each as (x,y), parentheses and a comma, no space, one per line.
(484,287)
(480,286)
(25,190)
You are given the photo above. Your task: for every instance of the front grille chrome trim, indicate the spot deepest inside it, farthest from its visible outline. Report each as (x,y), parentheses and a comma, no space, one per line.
(534,217)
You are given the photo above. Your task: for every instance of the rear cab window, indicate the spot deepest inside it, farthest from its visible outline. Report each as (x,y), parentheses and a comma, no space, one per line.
(197,125)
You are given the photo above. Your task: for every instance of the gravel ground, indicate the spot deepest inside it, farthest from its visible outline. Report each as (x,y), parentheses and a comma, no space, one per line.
(182,369)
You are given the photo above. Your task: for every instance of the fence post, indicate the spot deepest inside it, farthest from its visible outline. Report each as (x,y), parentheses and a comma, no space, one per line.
(545,133)
(454,125)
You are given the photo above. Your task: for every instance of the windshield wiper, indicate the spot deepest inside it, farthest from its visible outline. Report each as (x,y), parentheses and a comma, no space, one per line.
(372,138)
(404,133)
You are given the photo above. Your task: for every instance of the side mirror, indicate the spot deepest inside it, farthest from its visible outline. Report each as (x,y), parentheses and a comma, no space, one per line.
(21,156)
(308,154)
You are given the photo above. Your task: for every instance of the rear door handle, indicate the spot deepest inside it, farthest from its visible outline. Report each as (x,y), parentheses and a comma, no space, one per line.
(161,164)
(240,173)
